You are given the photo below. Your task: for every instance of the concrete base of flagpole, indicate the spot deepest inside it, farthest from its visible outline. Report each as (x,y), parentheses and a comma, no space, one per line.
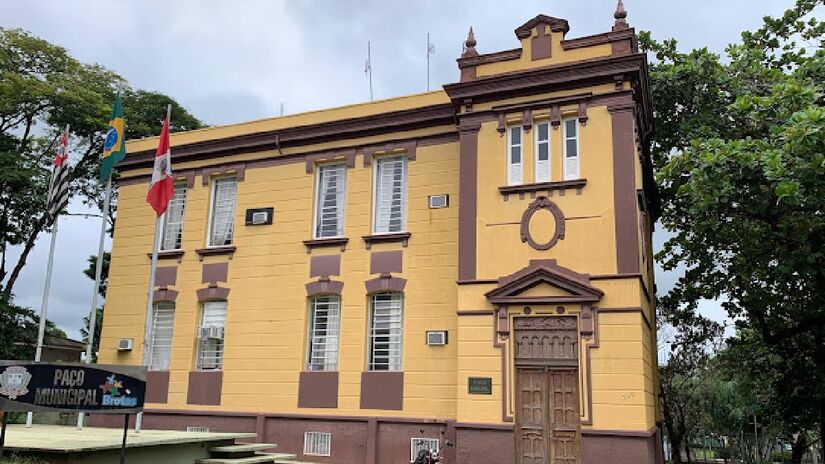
(138,422)
(80,421)
(29,419)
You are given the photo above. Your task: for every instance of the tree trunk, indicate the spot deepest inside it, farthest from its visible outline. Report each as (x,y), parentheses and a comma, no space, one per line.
(798,448)
(27,248)
(687,452)
(676,449)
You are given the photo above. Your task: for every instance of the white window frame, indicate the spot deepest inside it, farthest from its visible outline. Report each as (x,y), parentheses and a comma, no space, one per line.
(538,144)
(316,210)
(328,361)
(165,230)
(515,168)
(312,440)
(212,200)
(416,446)
(568,175)
(404,189)
(394,362)
(220,344)
(163,313)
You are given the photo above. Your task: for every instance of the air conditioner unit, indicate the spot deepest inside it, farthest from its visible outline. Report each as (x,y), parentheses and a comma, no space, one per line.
(436,337)
(439,201)
(260,217)
(125,344)
(210,331)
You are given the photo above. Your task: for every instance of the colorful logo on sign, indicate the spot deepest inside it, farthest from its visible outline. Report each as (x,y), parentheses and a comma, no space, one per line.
(114,394)
(14,382)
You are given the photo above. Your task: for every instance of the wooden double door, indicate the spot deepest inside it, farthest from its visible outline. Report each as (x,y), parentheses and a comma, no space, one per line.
(548,427)
(547,416)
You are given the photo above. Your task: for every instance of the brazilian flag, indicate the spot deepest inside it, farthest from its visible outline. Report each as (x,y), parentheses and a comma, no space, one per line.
(114,147)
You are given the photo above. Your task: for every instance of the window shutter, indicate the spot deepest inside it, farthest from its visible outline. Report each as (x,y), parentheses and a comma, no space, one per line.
(329,220)
(210,354)
(571,149)
(386,330)
(325,317)
(390,195)
(514,156)
(543,152)
(223,212)
(163,321)
(173,220)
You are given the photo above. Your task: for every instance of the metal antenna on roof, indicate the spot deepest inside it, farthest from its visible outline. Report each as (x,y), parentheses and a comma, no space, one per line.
(368,68)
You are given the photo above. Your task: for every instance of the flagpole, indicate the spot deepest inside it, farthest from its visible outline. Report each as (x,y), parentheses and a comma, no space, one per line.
(369,60)
(44,305)
(98,271)
(428,62)
(150,300)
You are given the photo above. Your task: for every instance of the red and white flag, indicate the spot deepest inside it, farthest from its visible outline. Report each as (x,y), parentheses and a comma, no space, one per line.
(58,195)
(162,187)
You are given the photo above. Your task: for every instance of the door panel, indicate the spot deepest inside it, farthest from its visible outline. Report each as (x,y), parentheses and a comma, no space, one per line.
(564,436)
(532,431)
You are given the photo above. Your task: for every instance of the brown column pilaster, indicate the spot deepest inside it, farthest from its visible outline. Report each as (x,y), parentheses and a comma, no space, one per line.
(624,187)
(467,197)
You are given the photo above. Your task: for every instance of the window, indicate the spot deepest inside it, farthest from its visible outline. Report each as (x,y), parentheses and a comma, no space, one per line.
(210,341)
(543,152)
(390,200)
(571,149)
(324,326)
(419,444)
(330,198)
(160,348)
(317,443)
(386,329)
(222,220)
(514,166)
(173,220)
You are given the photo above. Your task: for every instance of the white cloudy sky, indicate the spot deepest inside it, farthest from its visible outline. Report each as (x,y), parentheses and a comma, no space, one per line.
(230,61)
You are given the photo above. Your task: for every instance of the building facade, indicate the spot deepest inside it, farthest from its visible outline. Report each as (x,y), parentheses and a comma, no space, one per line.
(470,265)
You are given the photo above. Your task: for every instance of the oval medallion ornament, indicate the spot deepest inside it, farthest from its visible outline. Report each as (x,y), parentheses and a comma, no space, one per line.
(540,204)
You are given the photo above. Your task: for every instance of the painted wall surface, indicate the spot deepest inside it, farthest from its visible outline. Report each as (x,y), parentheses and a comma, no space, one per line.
(266,331)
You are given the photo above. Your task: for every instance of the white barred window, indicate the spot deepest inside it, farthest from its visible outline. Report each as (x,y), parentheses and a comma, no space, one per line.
(571,149)
(211,335)
(386,331)
(324,326)
(419,444)
(222,220)
(330,200)
(160,348)
(173,220)
(317,443)
(390,195)
(514,162)
(543,152)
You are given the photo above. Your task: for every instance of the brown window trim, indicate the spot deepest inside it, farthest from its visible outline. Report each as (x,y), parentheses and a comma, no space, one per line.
(215,251)
(403,237)
(326,242)
(169,254)
(540,187)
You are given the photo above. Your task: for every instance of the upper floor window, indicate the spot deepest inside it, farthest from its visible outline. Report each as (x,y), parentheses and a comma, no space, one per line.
(173,220)
(514,158)
(543,152)
(386,330)
(211,335)
(160,346)
(222,217)
(571,149)
(390,201)
(324,327)
(330,199)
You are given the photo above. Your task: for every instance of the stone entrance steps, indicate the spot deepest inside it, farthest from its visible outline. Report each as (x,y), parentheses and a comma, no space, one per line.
(247,453)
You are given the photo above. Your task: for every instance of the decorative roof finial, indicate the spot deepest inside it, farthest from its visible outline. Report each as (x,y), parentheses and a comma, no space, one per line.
(470,45)
(620,16)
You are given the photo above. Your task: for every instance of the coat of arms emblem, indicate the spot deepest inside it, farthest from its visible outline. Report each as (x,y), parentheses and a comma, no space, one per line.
(14,382)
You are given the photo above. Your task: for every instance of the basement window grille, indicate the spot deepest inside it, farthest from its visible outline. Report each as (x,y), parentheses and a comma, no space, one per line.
(418,444)
(197,429)
(317,443)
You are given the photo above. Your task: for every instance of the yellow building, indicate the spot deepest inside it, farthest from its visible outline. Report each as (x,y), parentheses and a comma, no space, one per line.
(470,265)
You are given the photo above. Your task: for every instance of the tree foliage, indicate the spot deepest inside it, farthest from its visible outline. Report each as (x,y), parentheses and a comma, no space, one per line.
(740,153)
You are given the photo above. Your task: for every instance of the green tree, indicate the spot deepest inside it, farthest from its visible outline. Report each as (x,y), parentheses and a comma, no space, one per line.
(18,331)
(740,152)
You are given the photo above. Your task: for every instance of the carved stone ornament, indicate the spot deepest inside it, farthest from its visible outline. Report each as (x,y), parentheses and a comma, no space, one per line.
(558,216)
(546,323)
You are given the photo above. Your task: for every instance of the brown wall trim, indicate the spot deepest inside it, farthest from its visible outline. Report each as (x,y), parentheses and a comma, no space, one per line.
(402,237)
(598,39)
(385,284)
(326,242)
(346,155)
(324,266)
(485,312)
(318,390)
(205,387)
(587,367)
(382,390)
(166,276)
(405,148)
(621,433)
(386,262)
(542,187)
(477,282)
(157,387)
(324,287)
(164,294)
(541,46)
(480,426)
(212,294)
(239,169)
(227,250)
(624,191)
(628,275)
(212,273)
(558,217)
(276,415)
(468,198)
(487,58)
(505,417)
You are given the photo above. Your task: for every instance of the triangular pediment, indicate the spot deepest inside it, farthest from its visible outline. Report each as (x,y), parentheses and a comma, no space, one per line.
(556,25)
(544,281)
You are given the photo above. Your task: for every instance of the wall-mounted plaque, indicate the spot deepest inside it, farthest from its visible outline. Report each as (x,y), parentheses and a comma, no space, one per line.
(480,386)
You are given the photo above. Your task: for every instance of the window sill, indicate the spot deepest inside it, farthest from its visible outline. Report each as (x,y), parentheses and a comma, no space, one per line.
(168,254)
(548,187)
(403,237)
(326,242)
(215,251)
